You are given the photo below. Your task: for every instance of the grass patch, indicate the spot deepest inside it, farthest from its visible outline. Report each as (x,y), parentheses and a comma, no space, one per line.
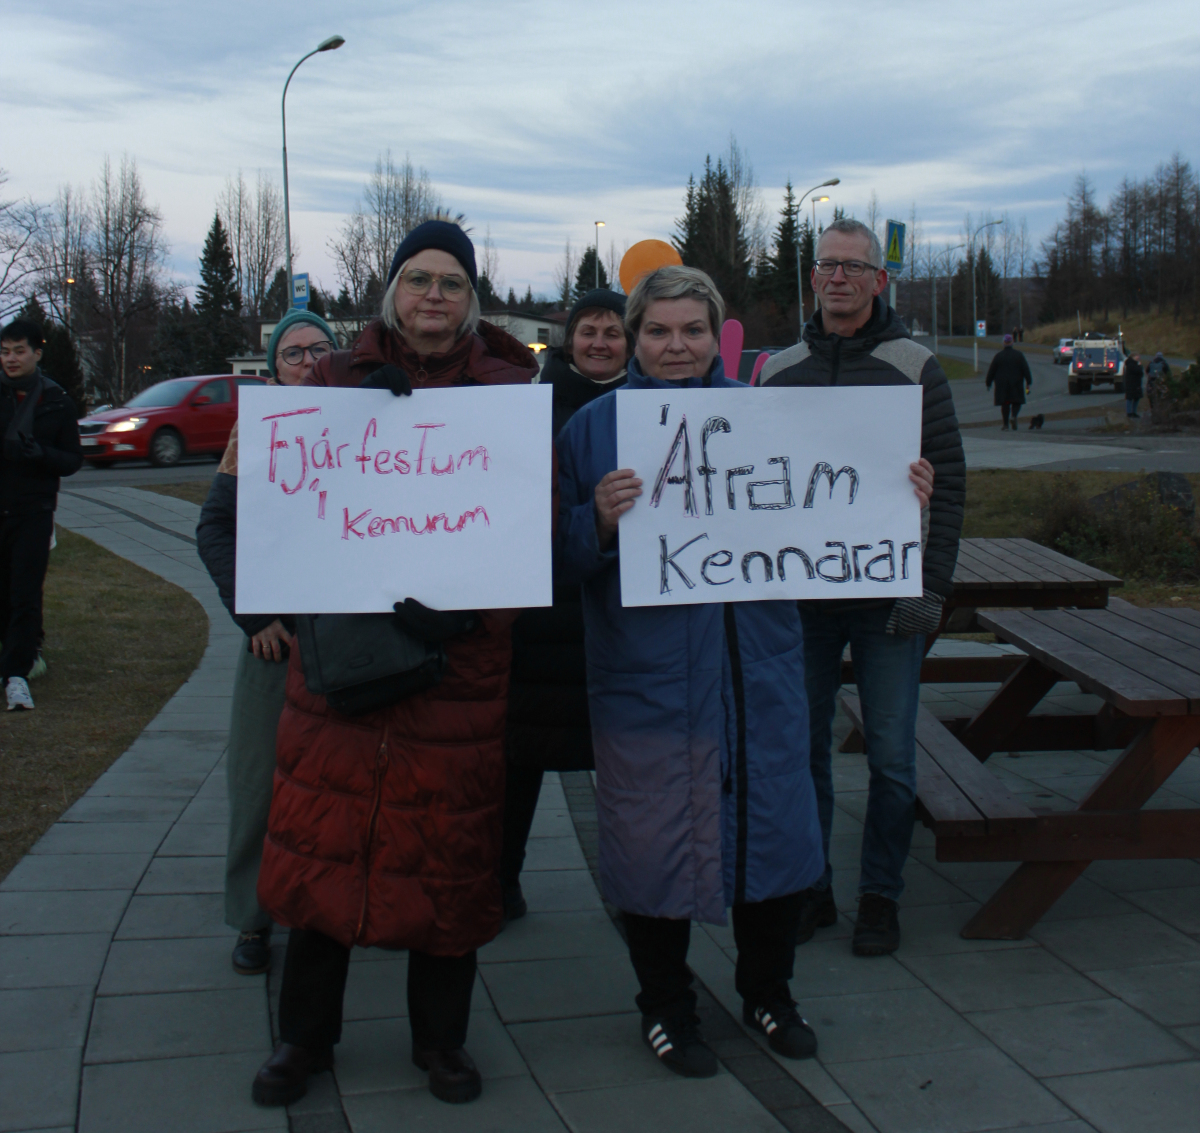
(194,491)
(1142,545)
(119,642)
(1144,333)
(955,368)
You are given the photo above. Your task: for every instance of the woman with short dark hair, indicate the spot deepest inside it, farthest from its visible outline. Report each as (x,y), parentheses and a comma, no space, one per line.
(699,721)
(548,725)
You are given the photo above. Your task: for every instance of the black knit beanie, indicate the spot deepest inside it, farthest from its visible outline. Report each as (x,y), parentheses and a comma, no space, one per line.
(599,297)
(444,236)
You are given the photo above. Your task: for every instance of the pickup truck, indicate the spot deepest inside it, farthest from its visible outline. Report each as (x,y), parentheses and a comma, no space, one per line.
(1094,361)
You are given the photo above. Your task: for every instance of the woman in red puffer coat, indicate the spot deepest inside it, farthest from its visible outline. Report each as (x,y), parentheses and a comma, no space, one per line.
(385,828)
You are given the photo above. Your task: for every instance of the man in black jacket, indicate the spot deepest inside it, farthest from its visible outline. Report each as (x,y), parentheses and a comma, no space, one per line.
(1010,373)
(857,339)
(41,443)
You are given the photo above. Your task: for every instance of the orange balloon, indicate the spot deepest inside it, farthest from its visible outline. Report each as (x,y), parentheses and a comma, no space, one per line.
(644,257)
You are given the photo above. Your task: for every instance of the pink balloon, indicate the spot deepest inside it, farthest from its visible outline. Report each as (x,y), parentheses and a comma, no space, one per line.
(732,337)
(759,363)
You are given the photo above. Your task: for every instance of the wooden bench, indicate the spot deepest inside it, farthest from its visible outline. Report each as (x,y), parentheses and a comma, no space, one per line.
(962,802)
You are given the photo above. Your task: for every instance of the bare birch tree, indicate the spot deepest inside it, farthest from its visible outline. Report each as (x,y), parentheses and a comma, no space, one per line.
(747,201)
(396,200)
(353,259)
(61,250)
(126,254)
(20,230)
(253,218)
(873,215)
(564,275)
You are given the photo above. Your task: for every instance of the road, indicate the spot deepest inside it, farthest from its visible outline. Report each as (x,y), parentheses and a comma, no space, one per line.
(1047,395)
(139,473)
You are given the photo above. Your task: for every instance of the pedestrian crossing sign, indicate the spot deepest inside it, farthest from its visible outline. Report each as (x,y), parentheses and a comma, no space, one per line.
(894,257)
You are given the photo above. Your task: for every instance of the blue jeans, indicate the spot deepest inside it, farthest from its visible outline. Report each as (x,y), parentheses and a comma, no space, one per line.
(888,671)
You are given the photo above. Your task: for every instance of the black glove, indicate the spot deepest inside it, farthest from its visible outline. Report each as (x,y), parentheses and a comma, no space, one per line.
(389,377)
(22,448)
(433,625)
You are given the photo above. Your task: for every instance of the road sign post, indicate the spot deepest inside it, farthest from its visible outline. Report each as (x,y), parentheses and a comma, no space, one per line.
(300,291)
(893,258)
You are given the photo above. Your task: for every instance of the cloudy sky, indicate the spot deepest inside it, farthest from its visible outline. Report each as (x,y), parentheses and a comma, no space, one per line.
(537,119)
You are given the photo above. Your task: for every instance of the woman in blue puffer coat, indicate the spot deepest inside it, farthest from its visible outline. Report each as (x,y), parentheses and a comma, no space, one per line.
(699,723)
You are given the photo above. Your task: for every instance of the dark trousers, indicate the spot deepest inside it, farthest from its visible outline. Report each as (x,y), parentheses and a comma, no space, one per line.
(24,556)
(1010,407)
(522,785)
(765,934)
(314,984)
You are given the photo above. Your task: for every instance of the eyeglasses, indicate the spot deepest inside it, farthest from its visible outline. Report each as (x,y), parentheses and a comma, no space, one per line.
(851,269)
(294,355)
(419,282)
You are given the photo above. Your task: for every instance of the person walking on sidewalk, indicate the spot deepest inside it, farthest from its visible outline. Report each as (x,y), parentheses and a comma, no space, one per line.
(385,827)
(700,725)
(1010,373)
(298,341)
(41,444)
(857,339)
(548,724)
(1133,384)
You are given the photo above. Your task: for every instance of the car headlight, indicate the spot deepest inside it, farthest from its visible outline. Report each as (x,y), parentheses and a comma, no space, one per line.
(126,426)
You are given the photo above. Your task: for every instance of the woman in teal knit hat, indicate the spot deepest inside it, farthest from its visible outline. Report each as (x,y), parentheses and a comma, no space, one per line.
(299,339)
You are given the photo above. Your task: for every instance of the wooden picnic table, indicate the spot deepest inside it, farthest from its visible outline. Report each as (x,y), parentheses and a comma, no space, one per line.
(1005,574)
(1145,666)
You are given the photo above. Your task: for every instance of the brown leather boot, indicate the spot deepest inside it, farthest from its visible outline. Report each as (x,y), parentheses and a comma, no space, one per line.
(283,1078)
(453,1076)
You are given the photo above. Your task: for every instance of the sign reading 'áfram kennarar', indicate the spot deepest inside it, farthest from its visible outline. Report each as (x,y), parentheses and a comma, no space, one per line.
(352,499)
(770,493)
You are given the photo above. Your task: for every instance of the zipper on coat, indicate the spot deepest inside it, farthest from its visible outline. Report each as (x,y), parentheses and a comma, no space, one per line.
(381,761)
(741,771)
(835,359)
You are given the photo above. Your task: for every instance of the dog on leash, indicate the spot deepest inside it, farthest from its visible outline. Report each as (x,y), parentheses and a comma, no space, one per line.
(1037,420)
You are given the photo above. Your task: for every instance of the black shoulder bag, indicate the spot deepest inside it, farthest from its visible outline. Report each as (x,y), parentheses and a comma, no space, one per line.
(361,662)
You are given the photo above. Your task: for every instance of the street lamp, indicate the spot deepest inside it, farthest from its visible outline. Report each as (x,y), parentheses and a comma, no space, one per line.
(949,297)
(974,311)
(599,225)
(330,44)
(799,272)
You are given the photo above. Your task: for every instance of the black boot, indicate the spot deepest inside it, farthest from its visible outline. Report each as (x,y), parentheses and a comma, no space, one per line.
(252,953)
(453,1076)
(786,1031)
(283,1078)
(817,910)
(877,930)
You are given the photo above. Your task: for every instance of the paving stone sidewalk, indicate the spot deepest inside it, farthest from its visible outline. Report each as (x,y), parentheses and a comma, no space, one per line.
(119,1010)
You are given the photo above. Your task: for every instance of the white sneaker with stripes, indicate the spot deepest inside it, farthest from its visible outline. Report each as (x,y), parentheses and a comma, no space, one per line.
(678,1045)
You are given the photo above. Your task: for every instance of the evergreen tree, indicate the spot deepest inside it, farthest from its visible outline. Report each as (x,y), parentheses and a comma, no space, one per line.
(488,299)
(585,277)
(782,264)
(709,235)
(511,302)
(175,342)
(60,359)
(527,302)
(277,301)
(218,303)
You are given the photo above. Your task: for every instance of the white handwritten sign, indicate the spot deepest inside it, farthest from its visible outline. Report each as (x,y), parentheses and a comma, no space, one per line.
(352,499)
(770,493)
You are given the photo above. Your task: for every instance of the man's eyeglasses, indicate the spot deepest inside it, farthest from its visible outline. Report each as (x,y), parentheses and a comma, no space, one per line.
(294,355)
(850,268)
(418,282)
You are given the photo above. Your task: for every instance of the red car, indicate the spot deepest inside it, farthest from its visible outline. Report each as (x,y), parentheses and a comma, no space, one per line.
(164,423)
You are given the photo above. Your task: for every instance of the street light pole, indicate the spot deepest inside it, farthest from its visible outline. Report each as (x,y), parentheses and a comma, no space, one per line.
(599,225)
(799,267)
(949,297)
(974,309)
(330,44)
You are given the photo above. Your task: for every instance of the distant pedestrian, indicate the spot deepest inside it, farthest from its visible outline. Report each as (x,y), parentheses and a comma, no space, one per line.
(299,339)
(1158,374)
(41,444)
(1133,385)
(1010,373)
(548,724)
